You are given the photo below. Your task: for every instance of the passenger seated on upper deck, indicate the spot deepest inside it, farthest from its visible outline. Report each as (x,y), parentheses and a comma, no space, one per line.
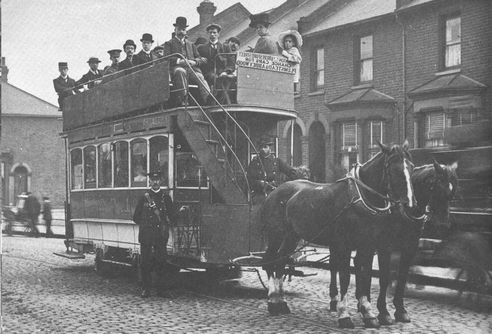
(94,73)
(265,43)
(145,55)
(217,64)
(64,84)
(181,72)
(114,56)
(131,60)
(159,51)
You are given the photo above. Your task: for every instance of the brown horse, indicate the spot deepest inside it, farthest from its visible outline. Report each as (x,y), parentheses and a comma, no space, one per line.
(341,215)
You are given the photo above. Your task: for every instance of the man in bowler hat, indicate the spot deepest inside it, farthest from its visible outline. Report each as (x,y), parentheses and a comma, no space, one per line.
(187,69)
(154,213)
(93,74)
(63,84)
(217,64)
(145,55)
(264,171)
(131,59)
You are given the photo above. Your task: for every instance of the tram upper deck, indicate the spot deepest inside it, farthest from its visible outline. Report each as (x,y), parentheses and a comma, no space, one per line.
(264,86)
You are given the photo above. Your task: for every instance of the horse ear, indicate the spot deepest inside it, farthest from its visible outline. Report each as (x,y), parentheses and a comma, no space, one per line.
(384,148)
(406,145)
(437,166)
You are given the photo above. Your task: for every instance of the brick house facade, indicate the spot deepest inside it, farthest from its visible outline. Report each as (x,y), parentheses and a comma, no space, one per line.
(382,64)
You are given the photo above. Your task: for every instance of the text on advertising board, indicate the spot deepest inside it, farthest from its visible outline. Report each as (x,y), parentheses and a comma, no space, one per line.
(264,62)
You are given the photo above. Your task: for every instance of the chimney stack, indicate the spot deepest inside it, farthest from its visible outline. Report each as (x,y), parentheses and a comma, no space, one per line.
(5,71)
(206,11)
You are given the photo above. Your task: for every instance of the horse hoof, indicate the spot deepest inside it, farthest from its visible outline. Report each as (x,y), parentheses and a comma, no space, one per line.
(402,317)
(385,320)
(333,306)
(278,308)
(371,322)
(345,323)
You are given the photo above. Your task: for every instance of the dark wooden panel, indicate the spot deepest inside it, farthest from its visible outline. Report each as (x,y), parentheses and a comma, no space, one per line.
(265,88)
(135,91)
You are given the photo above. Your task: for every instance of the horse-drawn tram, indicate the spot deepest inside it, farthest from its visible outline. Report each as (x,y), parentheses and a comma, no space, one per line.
(131,124)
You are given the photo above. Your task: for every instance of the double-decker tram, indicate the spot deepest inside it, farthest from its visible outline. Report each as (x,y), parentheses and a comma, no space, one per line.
(131,124)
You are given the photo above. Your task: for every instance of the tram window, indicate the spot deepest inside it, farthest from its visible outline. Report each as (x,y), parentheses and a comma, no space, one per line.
(121,164)
(77,170)
(90,167)
(189,173)
(139,163)
(159,156)
(104,166)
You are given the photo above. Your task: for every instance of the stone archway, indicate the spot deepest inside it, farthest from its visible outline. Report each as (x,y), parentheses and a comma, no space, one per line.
(317,151)
(20,181)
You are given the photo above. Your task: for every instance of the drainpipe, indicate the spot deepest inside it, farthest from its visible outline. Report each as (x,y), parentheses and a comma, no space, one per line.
(404,78)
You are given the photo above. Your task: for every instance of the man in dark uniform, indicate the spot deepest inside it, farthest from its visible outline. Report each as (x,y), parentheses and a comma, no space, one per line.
(93,74)
(263,181)
(63,84)
(114,56)
(154,213)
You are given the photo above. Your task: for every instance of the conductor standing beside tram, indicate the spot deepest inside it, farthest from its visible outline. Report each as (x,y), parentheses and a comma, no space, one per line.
(154,213)
(264,171)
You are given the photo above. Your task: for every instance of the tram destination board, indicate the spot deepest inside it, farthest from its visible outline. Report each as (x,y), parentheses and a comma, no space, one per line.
(274,89)
(139,90)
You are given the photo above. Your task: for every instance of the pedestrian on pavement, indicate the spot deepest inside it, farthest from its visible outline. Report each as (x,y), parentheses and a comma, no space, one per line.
(154,213)
(47,216)
(33,209)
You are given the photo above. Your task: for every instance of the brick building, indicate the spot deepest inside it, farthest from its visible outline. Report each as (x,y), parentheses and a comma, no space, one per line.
(32,153)
(388,70)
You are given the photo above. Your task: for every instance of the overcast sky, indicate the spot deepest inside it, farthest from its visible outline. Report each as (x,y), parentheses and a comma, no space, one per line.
(37,34)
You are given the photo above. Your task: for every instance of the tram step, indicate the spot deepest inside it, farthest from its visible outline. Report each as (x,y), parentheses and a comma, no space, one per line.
(70,255)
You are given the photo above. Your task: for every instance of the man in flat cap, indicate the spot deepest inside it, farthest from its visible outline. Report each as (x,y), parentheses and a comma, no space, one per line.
(131,59)
(265,43)
(63,84)
(154,213)
(187,69)
(114,56)
(91,77)
(217,63)
(145,55)
(264,171)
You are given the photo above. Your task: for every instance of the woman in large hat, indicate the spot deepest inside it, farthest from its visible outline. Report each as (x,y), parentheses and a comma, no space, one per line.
(265,43)
(290,41)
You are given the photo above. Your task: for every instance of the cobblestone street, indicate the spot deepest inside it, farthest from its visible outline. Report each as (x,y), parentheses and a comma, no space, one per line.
(43,293)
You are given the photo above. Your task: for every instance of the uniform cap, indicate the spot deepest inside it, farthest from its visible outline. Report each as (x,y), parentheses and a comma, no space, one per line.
(155,174)
(114,51)
(62,64)
(214,26)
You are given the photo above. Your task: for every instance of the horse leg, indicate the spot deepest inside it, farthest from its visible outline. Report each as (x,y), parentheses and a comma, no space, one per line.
(271,261)
(407,256)
(363,272)
(344,320)
(333,281)
(276,302)
(384,257)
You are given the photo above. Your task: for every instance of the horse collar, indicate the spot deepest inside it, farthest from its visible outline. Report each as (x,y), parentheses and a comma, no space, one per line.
(354,176)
